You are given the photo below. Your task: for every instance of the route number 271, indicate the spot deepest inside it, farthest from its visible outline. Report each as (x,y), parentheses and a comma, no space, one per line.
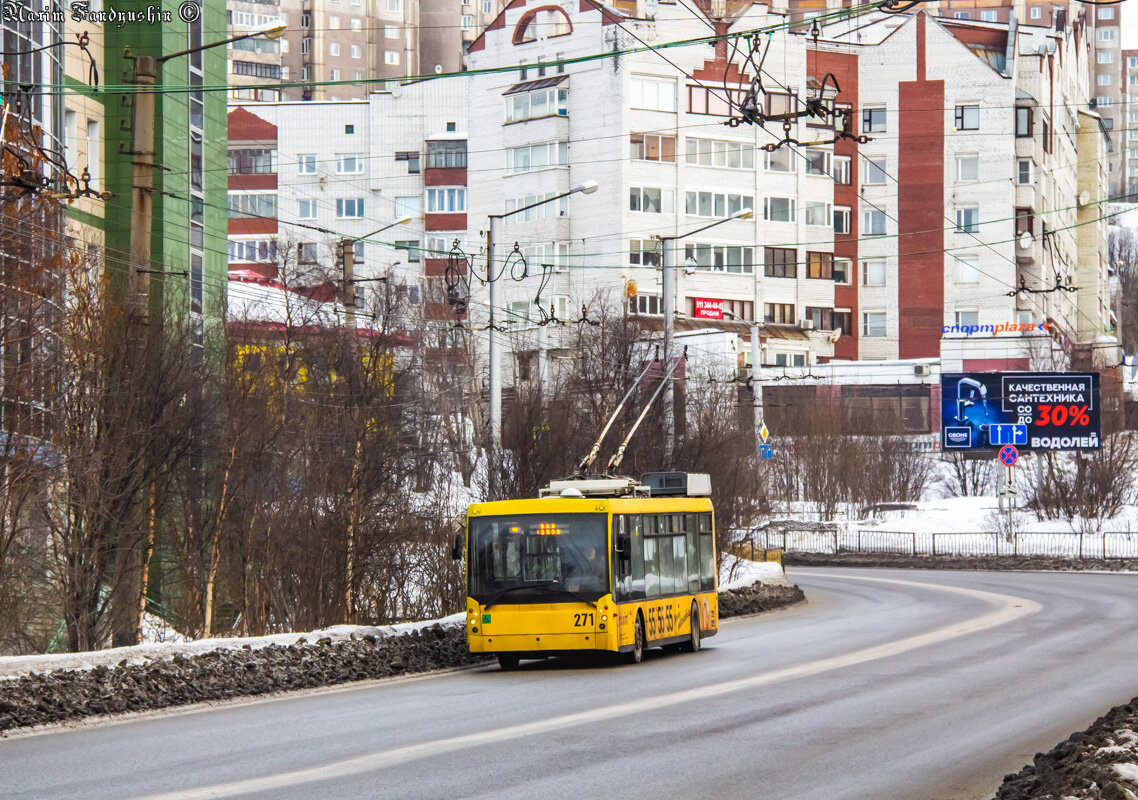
(582,620)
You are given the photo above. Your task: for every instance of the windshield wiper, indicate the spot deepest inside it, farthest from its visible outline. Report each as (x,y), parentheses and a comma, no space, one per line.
(580,597)
(508,589)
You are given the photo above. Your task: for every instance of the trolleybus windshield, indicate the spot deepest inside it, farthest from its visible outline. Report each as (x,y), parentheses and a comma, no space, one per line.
(538,558)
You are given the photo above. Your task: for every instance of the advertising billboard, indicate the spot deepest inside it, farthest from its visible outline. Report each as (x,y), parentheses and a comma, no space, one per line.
(708,308)
(1032,410)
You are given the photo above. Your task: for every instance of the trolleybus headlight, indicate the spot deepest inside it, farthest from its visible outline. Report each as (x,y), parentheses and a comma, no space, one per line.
(604,617)
(601,626)
(474,629)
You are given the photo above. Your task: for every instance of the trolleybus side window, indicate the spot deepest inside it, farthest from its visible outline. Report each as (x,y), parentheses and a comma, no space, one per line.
(692,525)
(651,567)
(706,554)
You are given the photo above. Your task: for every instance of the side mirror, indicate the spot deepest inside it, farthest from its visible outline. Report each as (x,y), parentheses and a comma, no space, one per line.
(456,550)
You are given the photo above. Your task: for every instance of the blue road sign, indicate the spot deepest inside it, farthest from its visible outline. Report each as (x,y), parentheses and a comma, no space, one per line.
(766,450)
(1009,455)
(1007,434)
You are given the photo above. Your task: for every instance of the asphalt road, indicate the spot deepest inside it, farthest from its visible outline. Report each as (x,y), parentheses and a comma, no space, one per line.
(887,684)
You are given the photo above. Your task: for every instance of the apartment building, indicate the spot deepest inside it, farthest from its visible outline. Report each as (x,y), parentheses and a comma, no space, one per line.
(980,192)
(1126,140)
(304,175)
(255,64)
(344,49)
(649,131)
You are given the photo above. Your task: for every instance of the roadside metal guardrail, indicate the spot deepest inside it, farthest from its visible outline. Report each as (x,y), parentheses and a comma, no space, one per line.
(1055,544)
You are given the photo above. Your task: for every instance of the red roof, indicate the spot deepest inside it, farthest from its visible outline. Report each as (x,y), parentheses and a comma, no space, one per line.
(245,126)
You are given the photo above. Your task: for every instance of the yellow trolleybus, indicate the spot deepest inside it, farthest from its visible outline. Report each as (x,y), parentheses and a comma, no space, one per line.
(594,564)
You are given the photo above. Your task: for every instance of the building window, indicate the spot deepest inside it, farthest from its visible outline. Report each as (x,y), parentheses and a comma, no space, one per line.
(1105,100)
(252,161)
(644,252)
(1036,12)
(822,318)
(537,156)
(721,258)
(333,48)
(842,170)
(652,147)
(393,6)
(713,100)
(873,324)
(306,209)
(651,200)
(412,159)
(1024,221)
(967,270)
(253,205)
(716,153)
(653,94)
(875,171)
(467,21)
(873,222)
(349,129)
(817,162)
(713,204)
(780,161)
(842,219)
(645,304)
(961,15)
(1106,34)
(820,265)
(873,272)
(1024,170)
(410,250)
(873,120)
(391,31)
(989,16)
(408,206)
(306,253)
(780,262)
(1105,56)
(356,24)
(818,213)
(779,313)
(543,207)
(967,219)
(968,168)
(967,118)
(967,318)
(450,154)
(842,270)
(391,58)
(356,51)
(779,209)
(305,45)
(350,207)
(446,201)
(348,163)
(1024,120)
(540,103)
(1105,12)
(1104,80)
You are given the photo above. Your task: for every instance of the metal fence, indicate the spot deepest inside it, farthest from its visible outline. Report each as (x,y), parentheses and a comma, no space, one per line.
(1058,544)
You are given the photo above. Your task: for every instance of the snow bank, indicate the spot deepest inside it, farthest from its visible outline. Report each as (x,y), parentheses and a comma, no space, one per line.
(738,573)
(11,666)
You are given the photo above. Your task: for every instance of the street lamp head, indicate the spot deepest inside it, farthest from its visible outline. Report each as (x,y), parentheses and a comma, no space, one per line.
(743,213)
(272,30)
(404,221)
(588,187)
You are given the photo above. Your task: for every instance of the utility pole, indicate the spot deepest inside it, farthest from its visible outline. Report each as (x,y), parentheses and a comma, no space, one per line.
(348,294)
(667,289)
(492,458)
(756,365)
(142,201)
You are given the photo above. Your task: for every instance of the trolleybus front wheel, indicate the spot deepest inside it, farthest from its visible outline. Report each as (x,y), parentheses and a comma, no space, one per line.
(508,661)
(635,655)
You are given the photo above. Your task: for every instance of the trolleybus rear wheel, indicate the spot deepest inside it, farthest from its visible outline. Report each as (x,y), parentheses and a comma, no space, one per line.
(508,661)
(693,643)
(637,653)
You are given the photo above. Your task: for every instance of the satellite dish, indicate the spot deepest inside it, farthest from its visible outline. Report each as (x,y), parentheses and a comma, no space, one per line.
(1084,197)
(438,69)
(1025,240)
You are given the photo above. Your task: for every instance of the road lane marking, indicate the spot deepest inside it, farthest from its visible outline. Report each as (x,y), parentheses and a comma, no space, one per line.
(1007,608)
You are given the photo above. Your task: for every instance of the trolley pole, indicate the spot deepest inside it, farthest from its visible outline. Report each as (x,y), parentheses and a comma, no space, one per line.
(667,288)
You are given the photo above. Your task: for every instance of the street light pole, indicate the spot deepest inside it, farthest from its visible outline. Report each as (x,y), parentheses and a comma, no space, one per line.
(588,187)
(347,247)
(667,287)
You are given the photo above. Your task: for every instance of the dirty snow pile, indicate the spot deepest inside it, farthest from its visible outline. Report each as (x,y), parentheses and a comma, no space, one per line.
(1100,762)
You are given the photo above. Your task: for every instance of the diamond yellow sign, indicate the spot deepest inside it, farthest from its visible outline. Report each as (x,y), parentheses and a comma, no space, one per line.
(764,433)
